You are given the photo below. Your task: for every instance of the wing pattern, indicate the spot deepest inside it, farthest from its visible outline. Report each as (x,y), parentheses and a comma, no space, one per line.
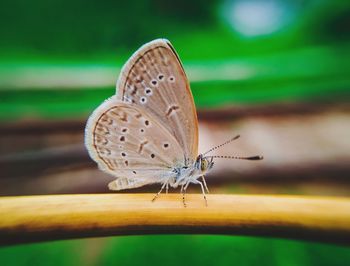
(155,80)
(128,142)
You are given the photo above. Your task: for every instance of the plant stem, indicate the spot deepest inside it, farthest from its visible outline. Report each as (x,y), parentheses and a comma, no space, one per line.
(27,219)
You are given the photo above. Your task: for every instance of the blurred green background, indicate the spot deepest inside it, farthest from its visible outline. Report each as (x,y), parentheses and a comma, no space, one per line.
(280,50)
(60,59)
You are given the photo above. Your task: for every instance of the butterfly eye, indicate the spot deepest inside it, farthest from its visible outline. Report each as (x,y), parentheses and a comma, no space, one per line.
(160,76)
(204,165)
(171,79)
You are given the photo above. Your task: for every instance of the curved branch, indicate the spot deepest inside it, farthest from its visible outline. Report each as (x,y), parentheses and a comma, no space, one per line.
(38,218)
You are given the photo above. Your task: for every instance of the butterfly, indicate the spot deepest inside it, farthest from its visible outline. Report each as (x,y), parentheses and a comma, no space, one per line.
(147,132)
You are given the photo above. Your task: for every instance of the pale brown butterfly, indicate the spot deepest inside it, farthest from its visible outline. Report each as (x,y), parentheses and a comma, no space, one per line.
(148,132)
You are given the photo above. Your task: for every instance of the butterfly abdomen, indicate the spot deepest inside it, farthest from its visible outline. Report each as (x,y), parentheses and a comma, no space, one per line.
(125,183)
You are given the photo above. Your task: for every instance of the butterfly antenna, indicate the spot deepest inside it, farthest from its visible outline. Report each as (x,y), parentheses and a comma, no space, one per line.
(251,158)
(219,146)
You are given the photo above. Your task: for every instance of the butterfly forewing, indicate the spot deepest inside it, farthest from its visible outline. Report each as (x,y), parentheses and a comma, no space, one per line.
(127,141)
(154,79)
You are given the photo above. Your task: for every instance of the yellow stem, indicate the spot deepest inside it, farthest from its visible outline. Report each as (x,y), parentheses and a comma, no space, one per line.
(37,218)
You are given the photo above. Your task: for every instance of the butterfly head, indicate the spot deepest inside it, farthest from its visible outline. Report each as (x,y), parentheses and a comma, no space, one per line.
(204,164)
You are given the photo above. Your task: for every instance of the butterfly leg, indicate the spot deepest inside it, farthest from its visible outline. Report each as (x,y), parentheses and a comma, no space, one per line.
(203,191)
(183,191)
(167,187)
(160,191)
(205,184)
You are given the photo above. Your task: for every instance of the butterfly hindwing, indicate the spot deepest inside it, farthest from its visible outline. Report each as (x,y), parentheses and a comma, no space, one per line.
(127,141)
(154,79)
